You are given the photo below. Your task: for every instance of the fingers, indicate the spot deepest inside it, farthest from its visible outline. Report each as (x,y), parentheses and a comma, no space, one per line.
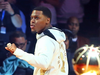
(6,48)
(7,7)
(3,5)
(11,47)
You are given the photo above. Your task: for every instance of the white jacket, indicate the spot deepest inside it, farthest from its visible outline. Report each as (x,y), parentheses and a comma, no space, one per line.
(50,56)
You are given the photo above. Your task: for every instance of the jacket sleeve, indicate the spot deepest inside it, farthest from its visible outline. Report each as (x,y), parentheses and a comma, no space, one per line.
(24,64)
(9,66)
(43,55)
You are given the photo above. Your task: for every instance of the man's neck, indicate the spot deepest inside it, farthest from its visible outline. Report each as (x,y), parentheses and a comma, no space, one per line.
(75,36)
(49,26)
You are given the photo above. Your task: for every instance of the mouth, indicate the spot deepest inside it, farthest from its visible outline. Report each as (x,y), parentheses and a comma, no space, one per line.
(73,29)
(32,26)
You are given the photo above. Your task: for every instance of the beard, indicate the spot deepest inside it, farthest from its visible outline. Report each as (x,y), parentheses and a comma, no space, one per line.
(33,32)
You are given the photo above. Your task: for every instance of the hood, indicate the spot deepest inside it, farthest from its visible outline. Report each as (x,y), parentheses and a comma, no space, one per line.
(57,33)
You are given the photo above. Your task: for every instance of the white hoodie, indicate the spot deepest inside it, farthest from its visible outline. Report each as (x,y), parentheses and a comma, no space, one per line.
(50,56)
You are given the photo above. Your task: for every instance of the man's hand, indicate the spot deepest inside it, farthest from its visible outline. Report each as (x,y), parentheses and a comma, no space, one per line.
(6,6)
(11,47)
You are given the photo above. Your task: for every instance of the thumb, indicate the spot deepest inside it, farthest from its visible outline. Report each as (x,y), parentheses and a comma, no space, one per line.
(6,48)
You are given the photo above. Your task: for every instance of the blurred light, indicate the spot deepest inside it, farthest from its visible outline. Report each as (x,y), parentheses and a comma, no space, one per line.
(86,60)
(90,73)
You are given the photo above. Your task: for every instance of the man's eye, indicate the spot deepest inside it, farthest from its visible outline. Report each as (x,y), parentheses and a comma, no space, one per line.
(31,17)
(76,24)
(71,24)
(36,17)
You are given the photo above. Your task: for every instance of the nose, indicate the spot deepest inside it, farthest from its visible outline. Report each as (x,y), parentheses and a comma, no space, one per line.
(32,20)
(74,26)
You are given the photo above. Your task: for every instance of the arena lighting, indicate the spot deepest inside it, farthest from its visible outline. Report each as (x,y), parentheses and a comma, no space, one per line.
(86,60)
(90,73)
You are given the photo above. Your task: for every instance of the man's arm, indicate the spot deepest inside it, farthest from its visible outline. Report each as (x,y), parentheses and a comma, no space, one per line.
(9,66)
(43,57)
(15,18)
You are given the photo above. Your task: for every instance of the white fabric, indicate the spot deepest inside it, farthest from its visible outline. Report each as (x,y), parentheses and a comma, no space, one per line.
(50,56)
(74,39)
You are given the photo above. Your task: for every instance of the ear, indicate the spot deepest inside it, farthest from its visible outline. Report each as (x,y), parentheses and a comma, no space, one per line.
(48,20)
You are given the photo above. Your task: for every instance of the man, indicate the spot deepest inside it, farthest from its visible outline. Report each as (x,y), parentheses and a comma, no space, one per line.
(73,25)
(12,65)
(23,26)
(9,19)
(50,53)
(19,39)
(75,42)
(68,8)
(10,11)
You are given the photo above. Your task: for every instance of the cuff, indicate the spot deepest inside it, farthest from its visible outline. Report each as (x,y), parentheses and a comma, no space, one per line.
(18,52)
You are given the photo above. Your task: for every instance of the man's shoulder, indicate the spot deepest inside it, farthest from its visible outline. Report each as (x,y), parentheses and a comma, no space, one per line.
(82,37)
(15,8)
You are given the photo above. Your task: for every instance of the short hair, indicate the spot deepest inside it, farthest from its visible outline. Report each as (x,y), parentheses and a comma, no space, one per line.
(16,34)
(68,33)
(45,11)
(68,21)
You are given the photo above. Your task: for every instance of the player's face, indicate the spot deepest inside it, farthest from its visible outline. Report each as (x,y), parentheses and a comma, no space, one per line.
(38,21)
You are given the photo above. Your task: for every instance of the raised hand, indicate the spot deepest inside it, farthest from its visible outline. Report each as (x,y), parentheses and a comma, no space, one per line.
(11,47)
(6,6)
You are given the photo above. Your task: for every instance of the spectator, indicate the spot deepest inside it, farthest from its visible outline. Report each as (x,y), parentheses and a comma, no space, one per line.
(19,38)
(12,65)
(75,42)
(73,25)
(10,19)
(23,26)
(50,52)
